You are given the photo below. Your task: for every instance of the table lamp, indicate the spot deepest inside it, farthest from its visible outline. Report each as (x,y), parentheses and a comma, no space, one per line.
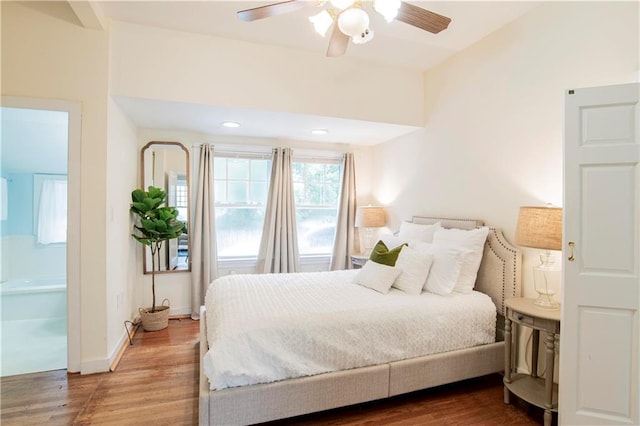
(541,228)
(369,217)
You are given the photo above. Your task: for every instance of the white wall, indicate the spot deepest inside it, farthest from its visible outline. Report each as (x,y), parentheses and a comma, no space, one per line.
(121,268)
(156,63)
(492,140)
(494,117)
(176,286)
(24,259)
(47,54)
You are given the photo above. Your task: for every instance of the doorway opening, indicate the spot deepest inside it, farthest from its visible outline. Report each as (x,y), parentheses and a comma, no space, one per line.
(39,213)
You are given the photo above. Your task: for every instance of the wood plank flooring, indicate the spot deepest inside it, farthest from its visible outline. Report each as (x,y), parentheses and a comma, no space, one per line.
(156,383)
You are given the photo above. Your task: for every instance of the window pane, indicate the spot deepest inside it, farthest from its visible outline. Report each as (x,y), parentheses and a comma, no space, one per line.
(181,191)
(238,230)
(259,192)
(238,168)
(316,188)
(313,194)
(314,172)
(316,229)
(330,194)
(240,199)
(332,173)
(238,193)
(219,168)
(260,170)
(297,170)
(220,191)
(298,192)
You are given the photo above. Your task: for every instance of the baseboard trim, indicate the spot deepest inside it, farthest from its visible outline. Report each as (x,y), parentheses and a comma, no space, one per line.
(123,346)
(94,366)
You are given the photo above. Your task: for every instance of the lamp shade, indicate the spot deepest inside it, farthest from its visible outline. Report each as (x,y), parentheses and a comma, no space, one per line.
(370,217)
(540,227)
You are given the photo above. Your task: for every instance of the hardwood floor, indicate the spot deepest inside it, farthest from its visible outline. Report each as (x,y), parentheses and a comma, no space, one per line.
(156,383)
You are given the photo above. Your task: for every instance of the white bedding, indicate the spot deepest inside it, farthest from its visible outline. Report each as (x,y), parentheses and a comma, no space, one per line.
(268,327)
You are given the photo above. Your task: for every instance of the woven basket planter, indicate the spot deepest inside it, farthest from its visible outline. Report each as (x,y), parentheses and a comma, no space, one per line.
(154,321)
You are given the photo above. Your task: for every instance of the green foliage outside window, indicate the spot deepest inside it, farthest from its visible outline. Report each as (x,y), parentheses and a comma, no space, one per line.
(241,191)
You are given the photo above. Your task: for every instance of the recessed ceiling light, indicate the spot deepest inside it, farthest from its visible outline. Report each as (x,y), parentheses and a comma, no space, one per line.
(319,131)
(230,124)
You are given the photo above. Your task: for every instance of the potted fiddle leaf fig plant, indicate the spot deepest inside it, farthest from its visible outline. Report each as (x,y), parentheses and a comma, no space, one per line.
(155,224)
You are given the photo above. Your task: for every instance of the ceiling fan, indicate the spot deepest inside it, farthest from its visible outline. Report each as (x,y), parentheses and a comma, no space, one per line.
(349,20)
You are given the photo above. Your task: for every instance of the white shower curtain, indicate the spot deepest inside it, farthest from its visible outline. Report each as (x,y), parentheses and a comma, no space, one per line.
(279,245)
(343,244)
(203,250)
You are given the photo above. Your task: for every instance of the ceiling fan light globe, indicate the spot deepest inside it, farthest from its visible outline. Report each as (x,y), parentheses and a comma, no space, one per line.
(353,22)
(387,8)
(363,38)
(321,22)
(341,4)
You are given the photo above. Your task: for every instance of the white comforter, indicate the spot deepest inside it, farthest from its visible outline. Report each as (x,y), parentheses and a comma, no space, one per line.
(269,327)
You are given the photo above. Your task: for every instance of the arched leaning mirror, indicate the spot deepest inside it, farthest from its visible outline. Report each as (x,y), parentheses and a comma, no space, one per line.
(166,165)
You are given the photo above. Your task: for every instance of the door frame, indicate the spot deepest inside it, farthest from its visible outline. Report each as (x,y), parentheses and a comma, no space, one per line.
(74,110)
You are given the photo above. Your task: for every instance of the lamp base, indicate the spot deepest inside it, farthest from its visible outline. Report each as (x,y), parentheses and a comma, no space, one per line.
(544,301)
(546,277)
(368,240)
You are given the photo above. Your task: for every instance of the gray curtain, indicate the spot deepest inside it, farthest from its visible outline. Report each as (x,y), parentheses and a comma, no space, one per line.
(203,251)
(279,244)
(343,245)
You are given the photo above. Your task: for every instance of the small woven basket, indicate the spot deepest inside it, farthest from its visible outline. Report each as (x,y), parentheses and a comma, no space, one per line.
(154,321)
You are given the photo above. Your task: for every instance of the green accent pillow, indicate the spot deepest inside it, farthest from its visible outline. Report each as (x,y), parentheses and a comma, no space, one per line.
(381,254)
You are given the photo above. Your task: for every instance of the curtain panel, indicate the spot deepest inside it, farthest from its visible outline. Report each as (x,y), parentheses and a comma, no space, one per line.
(344,241)
(52,213)
(203,250)
(279,245)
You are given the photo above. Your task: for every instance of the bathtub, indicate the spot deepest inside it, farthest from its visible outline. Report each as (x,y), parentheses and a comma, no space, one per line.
(33,299)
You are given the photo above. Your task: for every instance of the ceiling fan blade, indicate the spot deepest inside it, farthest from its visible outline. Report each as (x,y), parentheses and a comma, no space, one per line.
(338,42)
(274,9)
(422,18)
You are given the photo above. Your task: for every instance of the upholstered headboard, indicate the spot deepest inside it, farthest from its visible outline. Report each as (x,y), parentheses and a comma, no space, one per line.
(500,273)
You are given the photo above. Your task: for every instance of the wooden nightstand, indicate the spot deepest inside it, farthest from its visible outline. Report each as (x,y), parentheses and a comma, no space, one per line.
(358,260)
(531,388)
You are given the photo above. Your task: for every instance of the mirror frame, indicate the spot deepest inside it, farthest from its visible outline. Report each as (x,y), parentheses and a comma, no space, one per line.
(148,145)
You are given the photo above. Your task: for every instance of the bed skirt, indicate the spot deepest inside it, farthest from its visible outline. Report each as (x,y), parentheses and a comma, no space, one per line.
(288,398)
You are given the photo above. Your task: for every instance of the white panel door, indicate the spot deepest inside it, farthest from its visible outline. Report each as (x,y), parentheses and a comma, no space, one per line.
(599,358)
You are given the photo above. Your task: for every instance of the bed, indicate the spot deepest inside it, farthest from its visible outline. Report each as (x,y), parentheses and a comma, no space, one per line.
(235,402)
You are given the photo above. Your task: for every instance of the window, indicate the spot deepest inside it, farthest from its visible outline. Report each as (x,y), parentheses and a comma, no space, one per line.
(50,193)
(177,197)
(241,190)
(181,197)
(316,185)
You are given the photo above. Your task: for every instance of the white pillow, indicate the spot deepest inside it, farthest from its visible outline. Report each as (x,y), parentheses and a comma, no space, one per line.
(445,270)
(414,266)
(377,276)
(417,231)
(392,241)
(472,240)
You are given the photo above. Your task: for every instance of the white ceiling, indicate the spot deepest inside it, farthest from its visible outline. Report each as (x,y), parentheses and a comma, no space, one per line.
(263,124)
(470,22)
(420,50)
